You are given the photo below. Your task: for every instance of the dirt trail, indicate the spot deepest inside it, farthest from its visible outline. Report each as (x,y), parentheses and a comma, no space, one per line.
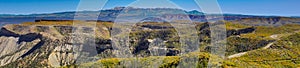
(275,36)
(243,53)
(265,47)
(237,55)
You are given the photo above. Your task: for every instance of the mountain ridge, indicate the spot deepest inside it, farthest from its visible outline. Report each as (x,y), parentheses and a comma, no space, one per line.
(121,8)
(134,13)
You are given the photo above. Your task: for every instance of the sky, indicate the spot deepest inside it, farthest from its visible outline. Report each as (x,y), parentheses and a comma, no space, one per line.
(247,7)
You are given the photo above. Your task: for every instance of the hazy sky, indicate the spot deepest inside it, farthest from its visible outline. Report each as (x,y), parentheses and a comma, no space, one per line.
(250,7)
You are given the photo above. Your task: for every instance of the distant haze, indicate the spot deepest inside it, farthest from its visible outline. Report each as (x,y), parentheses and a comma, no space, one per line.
(249,7)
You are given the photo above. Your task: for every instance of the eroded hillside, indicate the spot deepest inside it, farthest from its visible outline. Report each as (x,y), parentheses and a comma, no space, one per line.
(52,44)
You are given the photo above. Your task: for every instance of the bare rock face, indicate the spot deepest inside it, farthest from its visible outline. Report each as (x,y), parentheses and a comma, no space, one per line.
(61,56)
(13,46)
(60,45)
(11,51)
(45,46)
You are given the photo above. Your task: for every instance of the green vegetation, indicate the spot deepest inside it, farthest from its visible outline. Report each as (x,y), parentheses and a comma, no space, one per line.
(235,26)
(285,51)
(238,45)
(266,31)
(167,61)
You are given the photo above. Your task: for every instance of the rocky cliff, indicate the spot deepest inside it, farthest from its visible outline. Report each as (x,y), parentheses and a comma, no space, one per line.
(40,45)
(55,44)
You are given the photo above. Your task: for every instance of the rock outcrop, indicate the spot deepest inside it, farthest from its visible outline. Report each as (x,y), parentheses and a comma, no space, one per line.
(38,45)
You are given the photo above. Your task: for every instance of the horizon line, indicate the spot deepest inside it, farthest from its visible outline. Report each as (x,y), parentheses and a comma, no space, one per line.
(144,8)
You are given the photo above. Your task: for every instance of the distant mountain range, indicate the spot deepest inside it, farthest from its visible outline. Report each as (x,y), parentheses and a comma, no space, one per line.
(111,14)
(51,40)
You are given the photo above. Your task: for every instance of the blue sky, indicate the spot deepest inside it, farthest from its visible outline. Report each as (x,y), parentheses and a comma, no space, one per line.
(249,7)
